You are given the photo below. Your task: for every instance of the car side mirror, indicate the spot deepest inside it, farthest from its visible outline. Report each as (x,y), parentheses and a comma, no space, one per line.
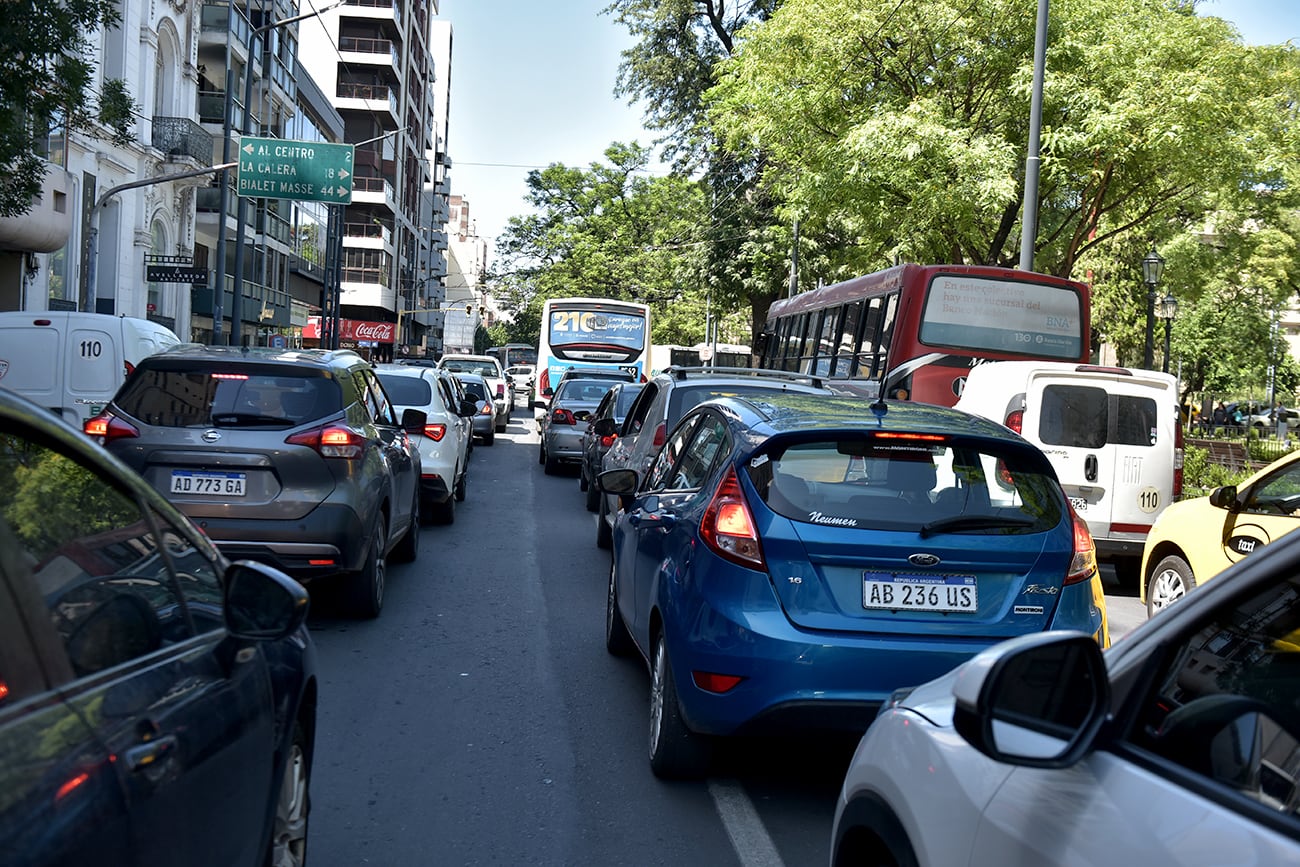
(263,603)
(1225,497)
(604,427)
(548,391)
(1036,701)
(468,408)
(414,420)
(621,482)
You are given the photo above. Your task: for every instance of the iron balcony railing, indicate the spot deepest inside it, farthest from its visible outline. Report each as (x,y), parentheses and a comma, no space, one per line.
(182,137)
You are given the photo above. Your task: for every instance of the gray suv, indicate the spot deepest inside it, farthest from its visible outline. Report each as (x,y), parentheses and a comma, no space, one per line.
(294,458)
(665,399)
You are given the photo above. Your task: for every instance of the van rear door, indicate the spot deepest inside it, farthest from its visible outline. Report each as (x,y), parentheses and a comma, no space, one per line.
(1111,439)
(28,359)
(92,358)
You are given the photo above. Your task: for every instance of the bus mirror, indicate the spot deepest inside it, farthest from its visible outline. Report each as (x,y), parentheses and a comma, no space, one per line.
(760,345)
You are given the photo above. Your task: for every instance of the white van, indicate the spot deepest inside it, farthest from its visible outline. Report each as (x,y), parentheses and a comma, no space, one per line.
(1112,433)
(73,363)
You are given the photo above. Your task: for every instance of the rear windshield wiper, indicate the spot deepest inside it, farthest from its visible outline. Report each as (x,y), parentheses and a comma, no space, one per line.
(238,418)
(973,522)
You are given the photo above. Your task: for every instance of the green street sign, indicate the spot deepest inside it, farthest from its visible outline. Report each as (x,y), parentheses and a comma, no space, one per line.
(276,168)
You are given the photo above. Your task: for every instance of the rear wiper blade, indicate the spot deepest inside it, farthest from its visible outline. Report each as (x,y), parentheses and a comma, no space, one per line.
(973,522)
(249,418)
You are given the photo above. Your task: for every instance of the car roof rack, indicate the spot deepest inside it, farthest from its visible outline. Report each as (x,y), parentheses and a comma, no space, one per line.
(684,372)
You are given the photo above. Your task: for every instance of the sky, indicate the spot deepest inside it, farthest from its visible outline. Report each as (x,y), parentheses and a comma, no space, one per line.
(532,83)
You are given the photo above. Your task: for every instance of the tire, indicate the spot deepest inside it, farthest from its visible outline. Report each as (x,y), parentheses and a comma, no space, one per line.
(366,589)
(409,548)
(676,752)
(1171,580)
(583,484)
(604,536)
(1128,572)
(445,512)
(870,833)
(501,428)
(618,641)
(593,497)
(293,806)
(489,438)
(461,486)
(541,453)
(550,466)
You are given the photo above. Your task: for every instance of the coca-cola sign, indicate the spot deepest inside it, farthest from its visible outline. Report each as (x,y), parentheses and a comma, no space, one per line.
(353,329)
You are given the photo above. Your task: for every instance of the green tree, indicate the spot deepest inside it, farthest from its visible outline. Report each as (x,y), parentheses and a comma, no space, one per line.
(46,83)
(608,231)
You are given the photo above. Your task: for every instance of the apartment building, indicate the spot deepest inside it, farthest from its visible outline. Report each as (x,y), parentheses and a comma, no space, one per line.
(376,60)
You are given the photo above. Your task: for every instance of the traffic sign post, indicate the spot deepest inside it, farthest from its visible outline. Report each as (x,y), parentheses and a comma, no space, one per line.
(309,171)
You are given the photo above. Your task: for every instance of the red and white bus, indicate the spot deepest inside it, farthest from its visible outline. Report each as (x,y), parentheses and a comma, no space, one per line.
(911,332)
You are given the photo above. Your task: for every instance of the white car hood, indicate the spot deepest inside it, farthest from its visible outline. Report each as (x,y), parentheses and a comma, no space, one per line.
(933,700)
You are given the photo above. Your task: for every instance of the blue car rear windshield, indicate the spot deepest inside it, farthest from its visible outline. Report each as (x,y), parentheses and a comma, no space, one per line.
(907,485)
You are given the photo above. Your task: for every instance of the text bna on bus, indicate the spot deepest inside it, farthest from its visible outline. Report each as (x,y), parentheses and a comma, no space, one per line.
(591,333)
(913,331)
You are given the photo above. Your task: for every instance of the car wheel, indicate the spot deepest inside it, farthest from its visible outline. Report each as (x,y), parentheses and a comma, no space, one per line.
(1128,571)
(583,484)
(551,466)
(1171,580)
(367,589)
(489,438)
(445,512)
(289,832)
(461,489)
(871,834)
(501,428)
(618,641)
(541,453)
(676,752)
(593,497)
(409,548)
(604,536)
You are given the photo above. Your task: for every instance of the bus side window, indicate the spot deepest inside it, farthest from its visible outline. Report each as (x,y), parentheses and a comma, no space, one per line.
(829,340)
(846,342)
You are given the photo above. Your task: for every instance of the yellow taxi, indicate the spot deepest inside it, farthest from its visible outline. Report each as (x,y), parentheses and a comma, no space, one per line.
(1194,540)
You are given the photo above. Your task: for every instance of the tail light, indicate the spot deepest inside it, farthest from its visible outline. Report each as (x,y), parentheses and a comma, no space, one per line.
(1084,563)
(562,416)
(728,525)
(127,367)
(1178,461)
(543,381)
(106,427)
(435,432)
(1016,420)
(487,408)
(608,440)
(661,435)
(332,441)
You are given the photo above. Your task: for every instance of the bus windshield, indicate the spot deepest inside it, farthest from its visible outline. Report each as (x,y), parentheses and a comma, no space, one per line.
(596,330)
(988,314)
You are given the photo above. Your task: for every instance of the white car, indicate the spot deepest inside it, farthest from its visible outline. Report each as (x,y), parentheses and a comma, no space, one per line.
(448,433)
(490,369)
(1180,745)
(521,377)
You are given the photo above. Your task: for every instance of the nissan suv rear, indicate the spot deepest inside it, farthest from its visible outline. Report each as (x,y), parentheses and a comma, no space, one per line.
(294,458)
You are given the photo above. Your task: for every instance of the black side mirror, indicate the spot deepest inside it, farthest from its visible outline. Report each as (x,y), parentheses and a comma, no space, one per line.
(262,603)
(1225,498)
(604,427)
(414,420)
(468,408)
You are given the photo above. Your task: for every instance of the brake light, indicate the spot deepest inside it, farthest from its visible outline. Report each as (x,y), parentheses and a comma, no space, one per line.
(1084,563)
(435,432)
(1178,461)
(661,434)
(1015,420)
(127,367)
(608,440)
(562,416)
(107,427)
(487,408)
(728,525)
(332,441)
(543,381)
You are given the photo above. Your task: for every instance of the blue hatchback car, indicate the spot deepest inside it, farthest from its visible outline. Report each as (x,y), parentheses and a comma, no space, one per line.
(789,561)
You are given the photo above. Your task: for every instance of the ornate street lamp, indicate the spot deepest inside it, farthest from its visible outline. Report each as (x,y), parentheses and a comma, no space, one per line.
(1153,267)
(1167,310)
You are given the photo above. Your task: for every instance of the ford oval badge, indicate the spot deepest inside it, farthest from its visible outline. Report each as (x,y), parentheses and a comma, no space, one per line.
(211,436)
(923,560)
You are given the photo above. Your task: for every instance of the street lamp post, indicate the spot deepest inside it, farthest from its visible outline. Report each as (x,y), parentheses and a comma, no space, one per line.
(1167,310)
(1153,266)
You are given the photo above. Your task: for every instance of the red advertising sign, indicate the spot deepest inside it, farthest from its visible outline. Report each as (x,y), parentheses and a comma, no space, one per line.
(353,329)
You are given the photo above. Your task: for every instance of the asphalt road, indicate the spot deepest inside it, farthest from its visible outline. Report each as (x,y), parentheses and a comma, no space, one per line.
(480,721)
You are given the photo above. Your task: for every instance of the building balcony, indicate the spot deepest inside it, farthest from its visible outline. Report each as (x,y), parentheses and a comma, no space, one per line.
(375,10)
(368,235)
(207,200)
(47,226)
(182,139)
(219,25)
(367,50)
(361,293)
(212,103)
(375,191)
(273,226)
(367,97)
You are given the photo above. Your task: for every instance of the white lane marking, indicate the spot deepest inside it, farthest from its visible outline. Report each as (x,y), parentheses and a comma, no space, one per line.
(749,837)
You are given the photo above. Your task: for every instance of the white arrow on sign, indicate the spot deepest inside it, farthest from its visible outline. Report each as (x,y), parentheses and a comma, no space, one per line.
(343,173)
(248,148)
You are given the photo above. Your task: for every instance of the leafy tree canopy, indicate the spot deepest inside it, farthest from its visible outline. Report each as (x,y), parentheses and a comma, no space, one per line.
(46,82)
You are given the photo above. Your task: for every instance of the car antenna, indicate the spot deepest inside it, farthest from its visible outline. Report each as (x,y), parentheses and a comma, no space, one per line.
(878,409)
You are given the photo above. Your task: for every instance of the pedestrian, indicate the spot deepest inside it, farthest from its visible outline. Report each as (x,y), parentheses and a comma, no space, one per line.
(1219,418)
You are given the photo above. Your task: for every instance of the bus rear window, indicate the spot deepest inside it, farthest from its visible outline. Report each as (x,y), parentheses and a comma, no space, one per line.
(991,315)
